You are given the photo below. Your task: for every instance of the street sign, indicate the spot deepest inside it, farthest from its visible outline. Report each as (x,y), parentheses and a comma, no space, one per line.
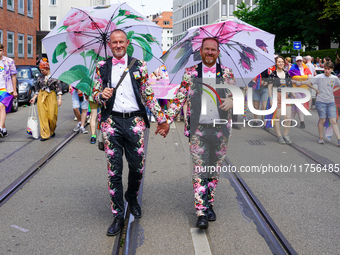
(297,45)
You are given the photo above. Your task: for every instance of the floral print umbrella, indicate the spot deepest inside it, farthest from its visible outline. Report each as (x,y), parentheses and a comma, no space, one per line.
(244,48)
(80,40)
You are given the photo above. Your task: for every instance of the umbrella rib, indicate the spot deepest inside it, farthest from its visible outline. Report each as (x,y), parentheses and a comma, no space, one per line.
(94,23)
(147,51)
(87,33)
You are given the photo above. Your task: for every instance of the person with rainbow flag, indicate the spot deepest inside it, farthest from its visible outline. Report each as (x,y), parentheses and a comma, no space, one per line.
(325,103)
(300,74)
(8,90)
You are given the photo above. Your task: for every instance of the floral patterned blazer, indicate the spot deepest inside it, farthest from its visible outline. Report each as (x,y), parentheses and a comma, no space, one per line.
(191,89)
(140,85)
(52,84)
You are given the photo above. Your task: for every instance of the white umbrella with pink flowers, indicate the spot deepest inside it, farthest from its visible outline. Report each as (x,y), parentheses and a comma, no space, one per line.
(80,40)
(245,49)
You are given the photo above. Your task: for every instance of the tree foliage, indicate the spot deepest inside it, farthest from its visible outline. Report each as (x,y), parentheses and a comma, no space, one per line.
(294,20)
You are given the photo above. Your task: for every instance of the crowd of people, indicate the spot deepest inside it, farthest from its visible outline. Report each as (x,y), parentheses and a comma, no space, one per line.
(301,74)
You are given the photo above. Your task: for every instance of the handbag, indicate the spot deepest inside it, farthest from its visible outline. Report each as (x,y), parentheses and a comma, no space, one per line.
(32,123)
(100,135)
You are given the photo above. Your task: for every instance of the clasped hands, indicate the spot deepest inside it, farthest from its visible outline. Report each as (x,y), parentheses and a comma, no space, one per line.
(163,129)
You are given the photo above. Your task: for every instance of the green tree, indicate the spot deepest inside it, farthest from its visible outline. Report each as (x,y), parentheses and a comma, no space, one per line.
(292,20)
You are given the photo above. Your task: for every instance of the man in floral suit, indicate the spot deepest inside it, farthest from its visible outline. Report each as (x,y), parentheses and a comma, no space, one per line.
(208,142)
(123,122)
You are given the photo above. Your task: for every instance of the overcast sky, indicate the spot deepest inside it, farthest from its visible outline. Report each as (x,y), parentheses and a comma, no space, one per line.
(150,6)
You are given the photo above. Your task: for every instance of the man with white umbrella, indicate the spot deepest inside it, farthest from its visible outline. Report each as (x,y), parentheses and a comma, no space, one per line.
(123,122)
(208,142)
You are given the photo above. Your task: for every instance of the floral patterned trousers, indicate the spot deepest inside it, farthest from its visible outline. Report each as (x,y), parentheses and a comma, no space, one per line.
(208,147)
(123,135)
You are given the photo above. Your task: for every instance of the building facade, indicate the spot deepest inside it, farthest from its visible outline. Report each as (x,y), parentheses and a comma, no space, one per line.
(53,11)
(164,20)
(19,23)
(189,13)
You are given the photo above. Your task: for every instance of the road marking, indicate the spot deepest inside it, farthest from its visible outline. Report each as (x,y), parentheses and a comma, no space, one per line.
(20,228)
(201,244)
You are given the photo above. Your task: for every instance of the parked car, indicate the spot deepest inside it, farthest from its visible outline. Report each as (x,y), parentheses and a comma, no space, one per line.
(27,78)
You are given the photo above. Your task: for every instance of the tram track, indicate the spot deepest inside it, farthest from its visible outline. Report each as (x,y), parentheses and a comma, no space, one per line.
(277,241)
(124,243)
(16,185)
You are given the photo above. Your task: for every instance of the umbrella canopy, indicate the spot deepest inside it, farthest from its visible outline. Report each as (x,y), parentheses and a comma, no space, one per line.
(244,48)
(81,38)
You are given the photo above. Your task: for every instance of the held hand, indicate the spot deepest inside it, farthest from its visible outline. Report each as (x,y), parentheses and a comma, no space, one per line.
(227,104)
(317,91)
(15,94)
(59,102)
(107,93)
(69,88)
(163,129)
(32,101)
(298,83)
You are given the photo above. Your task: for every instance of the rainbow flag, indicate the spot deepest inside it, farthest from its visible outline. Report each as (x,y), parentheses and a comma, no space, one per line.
(258,81)
(270,117)
(328,126)
(295,70)
(6,99)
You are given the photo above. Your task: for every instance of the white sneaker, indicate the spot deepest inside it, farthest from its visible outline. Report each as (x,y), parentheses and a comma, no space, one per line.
(75,118)
(153,118)
(76,129)
(83,130)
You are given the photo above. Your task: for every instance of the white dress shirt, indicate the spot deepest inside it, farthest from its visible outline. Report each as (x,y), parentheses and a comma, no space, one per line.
(125,100)
(211,108)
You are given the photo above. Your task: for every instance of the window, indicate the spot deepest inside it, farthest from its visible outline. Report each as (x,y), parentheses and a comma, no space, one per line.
(29,8)
(53,2)
(10,5)
(166,22)
(1,4)
(21,39)
(21,7)
(200,5)
(231,9)
(200,20)
(30,46)
(53,22)
(224,9)
(206,3)
(35,71)
(206,19)
(203,4)
(203,20)
(1,36)
(10,44)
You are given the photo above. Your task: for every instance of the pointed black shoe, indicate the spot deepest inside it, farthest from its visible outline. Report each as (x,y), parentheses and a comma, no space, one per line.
(116,226)
(202,222)
(211,215)
(134,207)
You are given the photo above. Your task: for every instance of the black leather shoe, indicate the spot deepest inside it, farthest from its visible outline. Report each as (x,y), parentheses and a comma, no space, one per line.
(202,222)
(43,139)
(302,125)
(211,215)
(53,135)
(115,227)
(134,207)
